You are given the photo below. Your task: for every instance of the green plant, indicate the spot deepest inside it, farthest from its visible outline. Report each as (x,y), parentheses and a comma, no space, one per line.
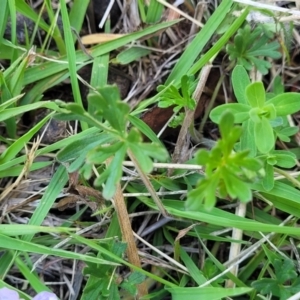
(113,141)
(263,117)
(284,281)
(179,100)
(225,170)
(257,113)
(251,46)
(103,280)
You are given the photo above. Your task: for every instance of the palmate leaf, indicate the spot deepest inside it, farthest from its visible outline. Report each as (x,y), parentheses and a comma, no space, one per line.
(107,102)
(261,65)
(225,169)
(143,152)
(284,270)
(266,286)
(171,96)
(204,193)
(235,187)
(250,47)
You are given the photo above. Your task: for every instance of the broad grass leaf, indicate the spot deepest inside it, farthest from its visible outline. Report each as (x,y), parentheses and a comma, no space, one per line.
(16,170)
(222,218)
(264,136)
(25,246)
(283,196)
(154,12)
(78,13)
(286,104)
(20,229)
(240,81)
(256,95)
(50,68)
(219,45)
(195,48)
(18,145)
(240,112)
(211,293)
(129,55)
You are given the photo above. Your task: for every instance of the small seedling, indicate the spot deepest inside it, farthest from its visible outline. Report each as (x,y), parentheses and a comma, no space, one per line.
(178,99)
(250,48)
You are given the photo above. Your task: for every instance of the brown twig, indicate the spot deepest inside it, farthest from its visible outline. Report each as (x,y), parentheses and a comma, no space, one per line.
(127,235)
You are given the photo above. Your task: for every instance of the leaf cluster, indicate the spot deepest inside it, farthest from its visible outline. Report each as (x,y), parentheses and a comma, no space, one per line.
(178,98)
(226,170)
(284,283)
(251,46)
(111,117)
(105,284)
(263,118)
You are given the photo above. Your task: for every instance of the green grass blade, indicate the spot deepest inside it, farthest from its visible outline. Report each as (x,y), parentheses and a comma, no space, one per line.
(54,188)
(211,293)
(219,44)
(24,246)
(222,218)
(196,46)
(71,56)
(50,68)
(3,17)
(77,13)
(32,277)
(18,145)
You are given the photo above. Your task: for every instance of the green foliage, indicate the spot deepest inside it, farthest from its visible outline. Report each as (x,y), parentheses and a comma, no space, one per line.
(285,282)
(226,171)
(113,143)
(259,114)
(110,132)
(280,158)
(104,282)
(251,46)
(178,99)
